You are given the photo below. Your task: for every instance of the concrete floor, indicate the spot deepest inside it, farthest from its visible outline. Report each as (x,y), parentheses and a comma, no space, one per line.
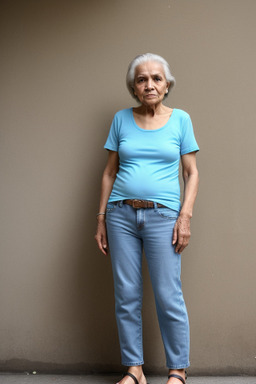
(109,379)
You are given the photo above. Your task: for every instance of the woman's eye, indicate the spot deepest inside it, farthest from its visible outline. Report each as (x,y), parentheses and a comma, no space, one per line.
(140,80)
(158,78)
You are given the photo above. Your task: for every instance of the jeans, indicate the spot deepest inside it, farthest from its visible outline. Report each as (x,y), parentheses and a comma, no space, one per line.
(129,231)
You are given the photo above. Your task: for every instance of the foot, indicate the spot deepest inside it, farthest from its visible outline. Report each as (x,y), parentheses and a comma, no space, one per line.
(175,380)
(138,373)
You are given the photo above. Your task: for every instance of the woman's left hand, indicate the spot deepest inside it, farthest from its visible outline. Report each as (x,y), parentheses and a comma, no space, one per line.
(181,233)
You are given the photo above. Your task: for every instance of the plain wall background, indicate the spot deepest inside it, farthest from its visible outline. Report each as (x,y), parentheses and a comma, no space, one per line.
(63,67)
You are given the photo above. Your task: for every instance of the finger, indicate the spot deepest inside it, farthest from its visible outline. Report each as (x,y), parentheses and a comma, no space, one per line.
(104,251)
(184,244)
(182,248)
(102,248)
(179,245)
(104,245)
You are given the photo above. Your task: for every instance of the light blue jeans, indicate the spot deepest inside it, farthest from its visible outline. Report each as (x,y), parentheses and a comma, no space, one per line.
(129,231)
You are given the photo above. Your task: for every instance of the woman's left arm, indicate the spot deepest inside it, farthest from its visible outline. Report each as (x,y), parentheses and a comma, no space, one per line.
(181,232)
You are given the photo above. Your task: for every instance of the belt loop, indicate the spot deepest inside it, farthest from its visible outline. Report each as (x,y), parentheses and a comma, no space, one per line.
(155,205)
(120,203)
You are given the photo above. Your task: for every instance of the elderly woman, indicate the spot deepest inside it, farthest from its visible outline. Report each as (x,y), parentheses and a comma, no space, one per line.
(140,200)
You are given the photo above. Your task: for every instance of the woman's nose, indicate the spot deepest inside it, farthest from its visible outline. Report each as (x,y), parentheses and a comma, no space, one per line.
(149,84)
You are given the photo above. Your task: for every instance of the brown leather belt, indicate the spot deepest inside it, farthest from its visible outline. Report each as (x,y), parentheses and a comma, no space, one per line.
(142,203)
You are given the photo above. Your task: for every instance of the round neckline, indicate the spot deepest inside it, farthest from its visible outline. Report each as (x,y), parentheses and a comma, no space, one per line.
(150,130)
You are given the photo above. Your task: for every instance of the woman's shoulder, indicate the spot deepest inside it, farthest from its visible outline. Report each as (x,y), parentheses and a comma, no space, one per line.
(122,118)
(123,112)
(181,113)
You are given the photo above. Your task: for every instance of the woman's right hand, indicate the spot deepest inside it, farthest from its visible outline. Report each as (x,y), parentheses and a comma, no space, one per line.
(101,236)
(108,179)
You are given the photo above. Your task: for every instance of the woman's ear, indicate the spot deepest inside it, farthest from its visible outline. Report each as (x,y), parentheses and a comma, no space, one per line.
(167,88)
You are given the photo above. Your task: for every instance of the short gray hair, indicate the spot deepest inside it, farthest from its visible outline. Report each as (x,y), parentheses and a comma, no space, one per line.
(142,59)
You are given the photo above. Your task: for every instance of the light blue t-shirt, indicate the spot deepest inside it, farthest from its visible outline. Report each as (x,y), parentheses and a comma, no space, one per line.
(149,159)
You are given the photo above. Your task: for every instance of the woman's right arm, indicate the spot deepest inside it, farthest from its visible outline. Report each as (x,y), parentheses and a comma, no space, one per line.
(108,178)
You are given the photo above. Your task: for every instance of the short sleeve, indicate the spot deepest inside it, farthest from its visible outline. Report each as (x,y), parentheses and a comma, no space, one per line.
(112,142)
(188,141)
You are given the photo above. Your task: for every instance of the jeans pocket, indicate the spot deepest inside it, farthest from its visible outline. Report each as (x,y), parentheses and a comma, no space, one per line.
(167,213)
(110,207)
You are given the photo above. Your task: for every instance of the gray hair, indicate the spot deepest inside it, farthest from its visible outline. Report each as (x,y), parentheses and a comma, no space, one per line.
(142,59)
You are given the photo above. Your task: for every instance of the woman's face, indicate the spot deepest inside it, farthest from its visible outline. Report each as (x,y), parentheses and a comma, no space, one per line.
(150,84)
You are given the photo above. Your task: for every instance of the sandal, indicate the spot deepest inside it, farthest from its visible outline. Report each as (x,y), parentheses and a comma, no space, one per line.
(178,377)
(132,376)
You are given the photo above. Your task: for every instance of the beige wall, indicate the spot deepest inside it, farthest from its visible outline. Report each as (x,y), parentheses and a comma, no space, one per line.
(63,66)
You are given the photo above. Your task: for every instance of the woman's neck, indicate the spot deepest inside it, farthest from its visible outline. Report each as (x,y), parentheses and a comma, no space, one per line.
(152,110)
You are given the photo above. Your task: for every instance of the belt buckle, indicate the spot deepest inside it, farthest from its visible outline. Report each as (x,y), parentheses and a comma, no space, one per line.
(137,203)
